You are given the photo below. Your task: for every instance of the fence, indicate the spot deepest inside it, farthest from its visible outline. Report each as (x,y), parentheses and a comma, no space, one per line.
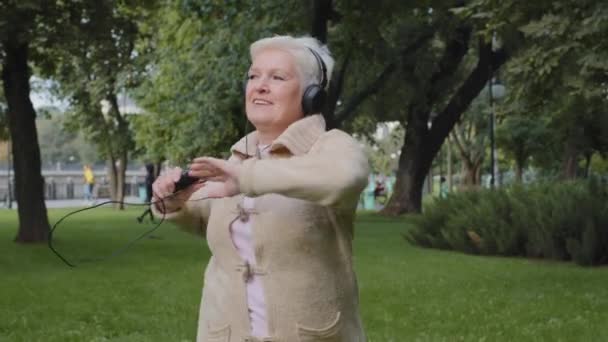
(66,184)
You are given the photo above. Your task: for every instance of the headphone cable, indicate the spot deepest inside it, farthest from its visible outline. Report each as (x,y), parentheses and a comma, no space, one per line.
(118,251)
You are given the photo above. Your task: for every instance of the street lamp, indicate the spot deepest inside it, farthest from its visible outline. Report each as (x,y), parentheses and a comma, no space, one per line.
(496,91)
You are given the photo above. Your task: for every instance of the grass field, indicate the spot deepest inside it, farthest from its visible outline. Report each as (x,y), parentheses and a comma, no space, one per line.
(151,292)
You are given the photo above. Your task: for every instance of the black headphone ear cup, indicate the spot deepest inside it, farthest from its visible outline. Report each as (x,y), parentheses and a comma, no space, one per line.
(313,99)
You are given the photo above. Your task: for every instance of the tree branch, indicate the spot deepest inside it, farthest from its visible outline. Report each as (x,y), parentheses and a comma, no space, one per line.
(377,84)
(322,11)
(456,136)
(489,61)
(363,94)
(455,50)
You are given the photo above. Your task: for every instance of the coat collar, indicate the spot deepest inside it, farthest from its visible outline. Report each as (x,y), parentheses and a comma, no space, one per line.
(298,138)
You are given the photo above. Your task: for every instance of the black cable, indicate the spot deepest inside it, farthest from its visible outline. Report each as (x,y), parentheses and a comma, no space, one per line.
(125,247)
(179,187)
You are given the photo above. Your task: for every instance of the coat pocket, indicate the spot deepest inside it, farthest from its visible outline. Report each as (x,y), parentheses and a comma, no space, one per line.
(218,334)
(329,333)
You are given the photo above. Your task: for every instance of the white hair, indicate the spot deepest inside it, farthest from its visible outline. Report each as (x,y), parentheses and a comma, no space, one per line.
(307,64)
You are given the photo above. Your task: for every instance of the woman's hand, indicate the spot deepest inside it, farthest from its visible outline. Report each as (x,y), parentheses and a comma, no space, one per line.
(221,176)
(163,188)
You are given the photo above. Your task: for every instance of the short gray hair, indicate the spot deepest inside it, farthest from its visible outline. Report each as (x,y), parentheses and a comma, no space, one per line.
(306,63)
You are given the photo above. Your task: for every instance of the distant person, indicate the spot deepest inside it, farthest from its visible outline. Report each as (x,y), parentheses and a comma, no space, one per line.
(443,188)
(380,189)
(89,182)
(150,178)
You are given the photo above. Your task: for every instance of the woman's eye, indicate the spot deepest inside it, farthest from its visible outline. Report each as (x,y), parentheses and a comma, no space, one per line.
(251,77)
(277,77)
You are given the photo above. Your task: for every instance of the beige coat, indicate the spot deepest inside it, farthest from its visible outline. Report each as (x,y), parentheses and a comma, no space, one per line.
(306,196)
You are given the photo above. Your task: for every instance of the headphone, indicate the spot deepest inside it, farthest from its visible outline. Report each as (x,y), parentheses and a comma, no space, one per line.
(313,98)
(314,95)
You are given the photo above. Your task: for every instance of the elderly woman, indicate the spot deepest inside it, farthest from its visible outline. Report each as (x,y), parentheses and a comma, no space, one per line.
(278,214)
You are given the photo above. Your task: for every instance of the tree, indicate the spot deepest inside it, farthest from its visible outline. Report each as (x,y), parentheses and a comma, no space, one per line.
(193,96)
(426,59)
(396,61)
(521,137)
(412,59)
(565,71)
(103,54)
(469,136)
(23,26)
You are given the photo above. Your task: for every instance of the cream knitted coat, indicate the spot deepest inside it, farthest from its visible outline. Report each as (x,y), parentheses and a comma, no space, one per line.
(306,196)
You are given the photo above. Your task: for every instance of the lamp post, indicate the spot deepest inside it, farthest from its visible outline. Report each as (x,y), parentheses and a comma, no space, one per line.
(496,91)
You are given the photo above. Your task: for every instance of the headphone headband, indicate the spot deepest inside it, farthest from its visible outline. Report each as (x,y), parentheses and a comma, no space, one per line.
(313,98)
(322,68)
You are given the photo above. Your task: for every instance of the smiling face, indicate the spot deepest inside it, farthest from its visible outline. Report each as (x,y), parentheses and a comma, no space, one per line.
(273,95)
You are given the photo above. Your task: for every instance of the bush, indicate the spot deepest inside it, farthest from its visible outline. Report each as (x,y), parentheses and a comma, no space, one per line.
(561,221)
(431,224)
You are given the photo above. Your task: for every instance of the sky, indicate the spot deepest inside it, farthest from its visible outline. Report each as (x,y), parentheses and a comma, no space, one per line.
(44,99)
(41,97)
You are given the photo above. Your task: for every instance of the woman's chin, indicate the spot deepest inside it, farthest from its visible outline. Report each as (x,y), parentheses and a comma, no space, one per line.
(260,119)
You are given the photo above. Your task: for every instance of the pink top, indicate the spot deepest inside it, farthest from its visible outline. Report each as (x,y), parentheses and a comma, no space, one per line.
(242,237)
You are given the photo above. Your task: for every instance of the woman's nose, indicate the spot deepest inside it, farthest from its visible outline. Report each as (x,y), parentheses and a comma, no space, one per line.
(261,86)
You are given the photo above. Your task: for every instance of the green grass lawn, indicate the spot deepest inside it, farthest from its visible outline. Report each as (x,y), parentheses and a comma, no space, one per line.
(152,292)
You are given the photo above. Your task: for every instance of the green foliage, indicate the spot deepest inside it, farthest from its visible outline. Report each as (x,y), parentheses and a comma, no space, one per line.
(103,55)
(521,136)
(557,78)
(411,35)
(563,221)
(194,93)
(599,164)
(430,226)
(561,74)
(35,21)
(591,247)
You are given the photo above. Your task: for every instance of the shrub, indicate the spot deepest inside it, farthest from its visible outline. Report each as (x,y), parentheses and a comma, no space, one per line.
(430,226)
(562,221)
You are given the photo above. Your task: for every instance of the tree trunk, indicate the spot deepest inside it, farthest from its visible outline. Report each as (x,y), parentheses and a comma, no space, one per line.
(519,173)
(334,92)
(407,195)
(450,166)
(29,184)
(116,175)
(321,14)
(112,176)
(471,161)
(421,144)
(121,183)
(122,148)
(414,164)
(570,162)
(520,163)
(472,174)
(157,168)
(588,164)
